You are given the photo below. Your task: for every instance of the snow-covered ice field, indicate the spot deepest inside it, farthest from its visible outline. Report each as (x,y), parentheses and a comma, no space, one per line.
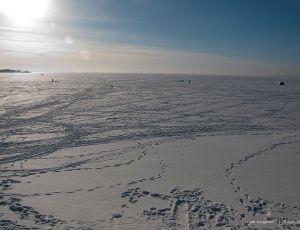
(132,151)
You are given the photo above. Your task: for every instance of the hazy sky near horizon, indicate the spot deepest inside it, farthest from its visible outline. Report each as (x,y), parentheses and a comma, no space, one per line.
(250,37)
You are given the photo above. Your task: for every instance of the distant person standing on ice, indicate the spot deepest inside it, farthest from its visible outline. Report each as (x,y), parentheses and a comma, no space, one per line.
(52,79)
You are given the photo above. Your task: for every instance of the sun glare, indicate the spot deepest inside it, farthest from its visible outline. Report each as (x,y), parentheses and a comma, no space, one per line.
(24,12)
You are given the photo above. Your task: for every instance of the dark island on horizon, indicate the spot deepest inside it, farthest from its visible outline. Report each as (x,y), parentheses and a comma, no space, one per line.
(12,71)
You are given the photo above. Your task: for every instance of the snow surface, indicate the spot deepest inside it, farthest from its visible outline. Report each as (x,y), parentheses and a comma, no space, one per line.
(145,151)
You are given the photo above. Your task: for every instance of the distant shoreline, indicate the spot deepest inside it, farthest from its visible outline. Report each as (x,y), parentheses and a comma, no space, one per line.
(12,71)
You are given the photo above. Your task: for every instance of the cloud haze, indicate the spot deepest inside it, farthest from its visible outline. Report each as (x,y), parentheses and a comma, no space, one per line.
(97,36)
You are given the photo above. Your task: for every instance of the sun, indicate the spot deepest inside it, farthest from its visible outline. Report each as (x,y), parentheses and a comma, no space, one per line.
(24,12)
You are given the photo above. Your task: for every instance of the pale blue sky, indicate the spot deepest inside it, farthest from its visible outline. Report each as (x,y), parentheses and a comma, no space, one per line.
(250,37)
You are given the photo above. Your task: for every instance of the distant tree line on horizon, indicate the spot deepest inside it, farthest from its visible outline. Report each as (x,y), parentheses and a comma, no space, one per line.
(12,71)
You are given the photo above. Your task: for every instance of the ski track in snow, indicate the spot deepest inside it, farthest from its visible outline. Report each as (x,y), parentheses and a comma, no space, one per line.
(39,119)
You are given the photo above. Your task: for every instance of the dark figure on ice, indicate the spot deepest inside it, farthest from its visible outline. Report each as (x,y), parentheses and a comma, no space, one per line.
(281,83)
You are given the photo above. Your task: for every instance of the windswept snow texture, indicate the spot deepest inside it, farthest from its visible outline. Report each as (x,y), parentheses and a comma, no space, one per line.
(146,151)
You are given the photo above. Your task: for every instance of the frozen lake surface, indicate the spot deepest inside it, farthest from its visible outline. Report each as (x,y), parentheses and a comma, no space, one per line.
(146,151)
